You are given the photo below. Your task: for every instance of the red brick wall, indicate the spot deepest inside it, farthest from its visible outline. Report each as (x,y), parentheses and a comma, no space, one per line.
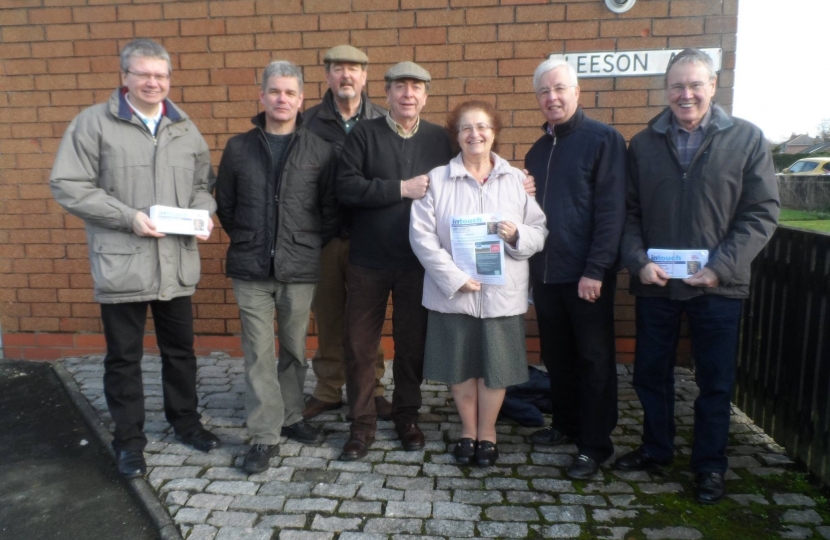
(60,56)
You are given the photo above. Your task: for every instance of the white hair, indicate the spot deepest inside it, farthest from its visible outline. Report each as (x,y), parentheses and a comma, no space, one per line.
(549,65)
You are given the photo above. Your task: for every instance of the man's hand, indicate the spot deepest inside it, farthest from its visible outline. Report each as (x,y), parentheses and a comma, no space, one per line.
(142,226)
(210,229)
(652,274)
(415,188)
(705,277)
(529,184)
(509,232)
(471,286)
(589,289)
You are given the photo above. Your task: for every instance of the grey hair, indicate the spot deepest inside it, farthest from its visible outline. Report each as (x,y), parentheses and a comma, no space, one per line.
(282,68)
(693,56)
(143,48)
(388,84)
(549,65)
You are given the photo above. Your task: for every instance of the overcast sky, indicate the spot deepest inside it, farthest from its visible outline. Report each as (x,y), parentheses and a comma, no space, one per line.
(782,74)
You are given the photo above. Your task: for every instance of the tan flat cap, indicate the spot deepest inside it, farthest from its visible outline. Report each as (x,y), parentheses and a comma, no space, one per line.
(407,70)
(346,53)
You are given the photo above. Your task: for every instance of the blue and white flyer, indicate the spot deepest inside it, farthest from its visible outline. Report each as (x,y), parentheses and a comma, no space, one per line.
(171,220)
(477,248)
(679,263)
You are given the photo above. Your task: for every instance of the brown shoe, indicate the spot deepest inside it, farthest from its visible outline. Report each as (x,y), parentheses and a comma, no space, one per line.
(356,447)
(383,408)
(315,406)
(412,438)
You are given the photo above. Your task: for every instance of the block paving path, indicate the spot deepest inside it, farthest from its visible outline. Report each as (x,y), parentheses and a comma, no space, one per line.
(308,494)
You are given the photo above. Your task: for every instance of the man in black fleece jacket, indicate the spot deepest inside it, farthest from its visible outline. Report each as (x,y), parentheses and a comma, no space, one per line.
(580,168)
(382,169)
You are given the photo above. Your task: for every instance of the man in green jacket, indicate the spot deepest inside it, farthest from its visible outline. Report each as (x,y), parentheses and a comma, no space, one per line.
(116,160)
(699,180)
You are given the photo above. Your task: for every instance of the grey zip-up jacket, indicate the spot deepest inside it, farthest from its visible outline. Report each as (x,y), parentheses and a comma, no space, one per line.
(454,192)
(726,202)
(109,167)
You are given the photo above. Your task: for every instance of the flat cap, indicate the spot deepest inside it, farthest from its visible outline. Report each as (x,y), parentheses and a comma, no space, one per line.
(346,53)
(407,70)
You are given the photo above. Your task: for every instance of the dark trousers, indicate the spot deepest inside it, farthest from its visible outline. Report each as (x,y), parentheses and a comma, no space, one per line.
(578,349)
(368,294)
(713,328)
(123,387)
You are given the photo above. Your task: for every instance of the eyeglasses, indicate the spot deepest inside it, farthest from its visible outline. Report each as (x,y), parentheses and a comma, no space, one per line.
(695,87)
(558,90)
(160,77)
(466,129)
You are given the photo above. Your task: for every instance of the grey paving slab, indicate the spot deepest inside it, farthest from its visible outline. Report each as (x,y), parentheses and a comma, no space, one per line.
(308,494)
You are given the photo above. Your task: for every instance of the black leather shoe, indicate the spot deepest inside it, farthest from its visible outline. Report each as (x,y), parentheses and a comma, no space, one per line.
(465,451)
(411,436)
(486,454)
(200,439)
(302,432)
(638,460)
(131,463)
(314,407)
(258,456)
(550,436)
(582,468)
(710,487)
(356,447)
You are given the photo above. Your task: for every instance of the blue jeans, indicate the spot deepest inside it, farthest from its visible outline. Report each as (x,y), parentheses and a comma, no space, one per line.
(713,327)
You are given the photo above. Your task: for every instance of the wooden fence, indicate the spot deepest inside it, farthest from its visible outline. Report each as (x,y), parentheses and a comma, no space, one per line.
(783,380)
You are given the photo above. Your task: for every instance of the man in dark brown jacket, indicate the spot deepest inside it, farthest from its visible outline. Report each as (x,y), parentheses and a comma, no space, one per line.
(699,179)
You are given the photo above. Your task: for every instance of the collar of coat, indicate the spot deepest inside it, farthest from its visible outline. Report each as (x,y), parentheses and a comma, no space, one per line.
(719,121)
(459,172)
(121,109)
(565,128)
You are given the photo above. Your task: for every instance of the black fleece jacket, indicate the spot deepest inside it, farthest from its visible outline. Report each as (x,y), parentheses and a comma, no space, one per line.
(580,174)
(374,161)
(247,195)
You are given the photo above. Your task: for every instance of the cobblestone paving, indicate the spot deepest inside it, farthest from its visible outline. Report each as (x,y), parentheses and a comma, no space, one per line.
(308,494)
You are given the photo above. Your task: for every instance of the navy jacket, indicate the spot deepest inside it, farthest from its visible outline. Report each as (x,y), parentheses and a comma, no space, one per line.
(580,174)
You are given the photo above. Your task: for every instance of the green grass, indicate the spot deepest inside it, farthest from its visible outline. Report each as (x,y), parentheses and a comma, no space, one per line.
(814,221)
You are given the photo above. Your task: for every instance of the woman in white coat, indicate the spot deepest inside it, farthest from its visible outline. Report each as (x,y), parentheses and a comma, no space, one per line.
(476,332)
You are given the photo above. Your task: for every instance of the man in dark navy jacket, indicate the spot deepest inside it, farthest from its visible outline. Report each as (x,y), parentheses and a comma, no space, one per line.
(580,170)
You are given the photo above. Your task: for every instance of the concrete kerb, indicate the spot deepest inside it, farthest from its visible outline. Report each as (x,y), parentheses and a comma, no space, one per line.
(147,497)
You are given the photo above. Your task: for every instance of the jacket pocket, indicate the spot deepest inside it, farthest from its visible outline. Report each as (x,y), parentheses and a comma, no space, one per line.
(308,239)
(238,236)
(190,265)
(183,181)
(122,263)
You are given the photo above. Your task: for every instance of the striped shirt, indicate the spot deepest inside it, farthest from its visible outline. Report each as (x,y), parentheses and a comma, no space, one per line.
(688,142)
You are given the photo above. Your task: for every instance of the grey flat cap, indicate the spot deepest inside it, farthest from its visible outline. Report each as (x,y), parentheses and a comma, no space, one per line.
(346,53)
(407,70)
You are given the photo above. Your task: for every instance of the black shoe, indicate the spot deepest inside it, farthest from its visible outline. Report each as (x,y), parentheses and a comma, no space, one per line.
(357,447)
(465,451)
(486,454)
(582,468)
(710,487)
(131,463)
(257,458)
(638,460)
(200,439)
(550,436)
(302,432)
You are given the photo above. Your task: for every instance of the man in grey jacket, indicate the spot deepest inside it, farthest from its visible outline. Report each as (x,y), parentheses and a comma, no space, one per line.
(116,160)
(699,179)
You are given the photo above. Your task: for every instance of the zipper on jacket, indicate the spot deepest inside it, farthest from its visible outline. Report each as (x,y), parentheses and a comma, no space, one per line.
(547,190)
(276,194)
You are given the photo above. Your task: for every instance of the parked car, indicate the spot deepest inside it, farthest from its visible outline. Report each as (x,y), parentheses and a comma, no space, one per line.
(814,166)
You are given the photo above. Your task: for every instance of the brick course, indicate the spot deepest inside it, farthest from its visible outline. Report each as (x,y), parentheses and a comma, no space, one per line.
(58,57)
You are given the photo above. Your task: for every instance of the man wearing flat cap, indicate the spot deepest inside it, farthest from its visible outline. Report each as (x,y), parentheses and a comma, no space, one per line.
(344,104)
(382,169)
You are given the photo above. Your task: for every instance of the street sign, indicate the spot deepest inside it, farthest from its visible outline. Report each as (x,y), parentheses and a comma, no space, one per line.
(627,63)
